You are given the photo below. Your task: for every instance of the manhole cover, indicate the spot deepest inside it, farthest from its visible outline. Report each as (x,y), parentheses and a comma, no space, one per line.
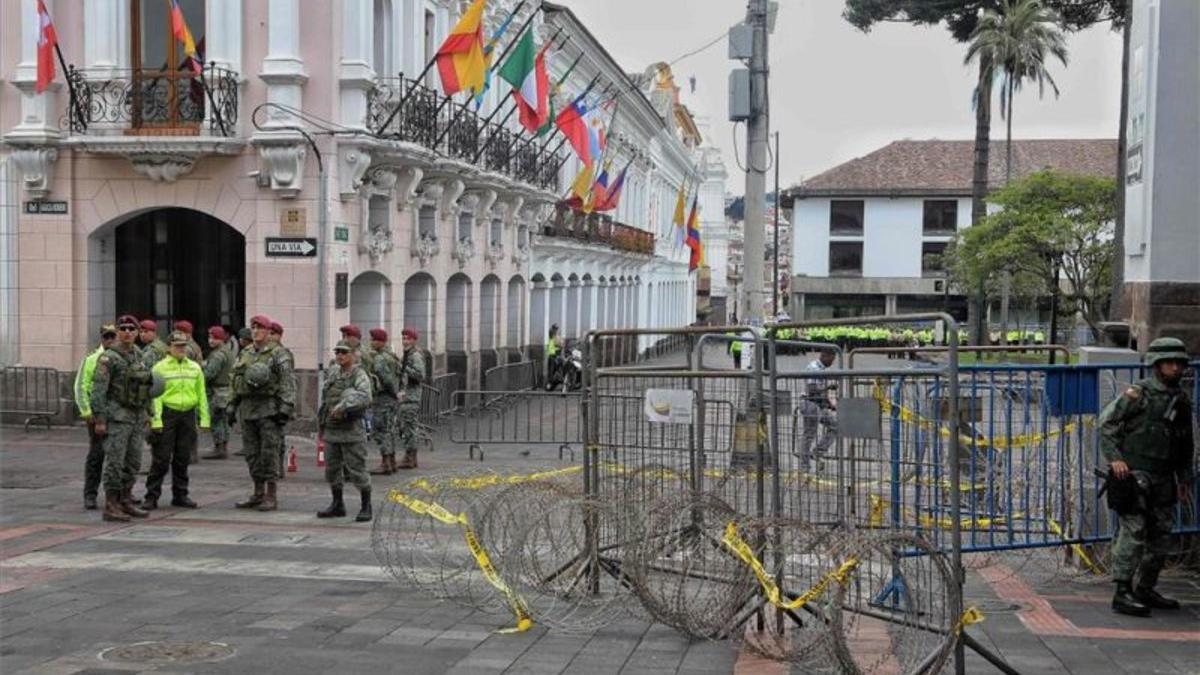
(168,652)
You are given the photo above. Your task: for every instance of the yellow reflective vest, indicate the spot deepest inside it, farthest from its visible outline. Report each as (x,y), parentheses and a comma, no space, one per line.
(184,390)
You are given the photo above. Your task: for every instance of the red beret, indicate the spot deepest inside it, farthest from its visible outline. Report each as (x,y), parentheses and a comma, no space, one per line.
(261,320)
(409,334)
(217,332)
(379,334)
(350,330)
(127,320)
(276,327)
(184,325)
(147,324)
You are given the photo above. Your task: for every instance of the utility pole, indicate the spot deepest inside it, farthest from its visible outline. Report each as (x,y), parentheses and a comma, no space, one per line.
(775,236)
(756,164)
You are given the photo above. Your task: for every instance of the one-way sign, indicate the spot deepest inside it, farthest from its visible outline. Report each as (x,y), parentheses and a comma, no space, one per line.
(291,247)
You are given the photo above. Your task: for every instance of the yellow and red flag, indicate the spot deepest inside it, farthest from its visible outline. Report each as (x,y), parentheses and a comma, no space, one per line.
(179,29)
(461,60)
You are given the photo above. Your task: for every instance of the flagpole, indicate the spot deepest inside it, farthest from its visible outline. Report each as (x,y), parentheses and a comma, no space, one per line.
(507,99)
(75,103)
(483,148)
(458,115)
(533,136)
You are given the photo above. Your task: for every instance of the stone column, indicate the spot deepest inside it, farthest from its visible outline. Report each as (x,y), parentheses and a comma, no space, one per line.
(106,38)
(355,73)
(222,35)
(283,68)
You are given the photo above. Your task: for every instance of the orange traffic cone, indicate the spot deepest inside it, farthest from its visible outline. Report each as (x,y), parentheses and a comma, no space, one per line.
(320,453)
(292,468)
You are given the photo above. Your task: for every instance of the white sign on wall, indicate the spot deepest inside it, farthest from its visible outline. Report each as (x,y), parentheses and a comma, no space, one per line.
(669,406)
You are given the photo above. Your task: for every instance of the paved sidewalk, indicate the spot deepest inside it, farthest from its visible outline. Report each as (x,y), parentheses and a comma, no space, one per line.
(292,594)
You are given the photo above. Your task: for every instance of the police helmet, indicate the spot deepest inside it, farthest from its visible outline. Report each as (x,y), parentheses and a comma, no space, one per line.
(157,385)
(1166,349)
(258,374)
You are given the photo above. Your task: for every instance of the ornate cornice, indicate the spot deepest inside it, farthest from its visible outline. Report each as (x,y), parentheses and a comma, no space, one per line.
(164,159)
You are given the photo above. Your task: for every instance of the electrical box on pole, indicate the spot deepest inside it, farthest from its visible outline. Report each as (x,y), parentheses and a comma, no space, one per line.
(739,95)
(741,42)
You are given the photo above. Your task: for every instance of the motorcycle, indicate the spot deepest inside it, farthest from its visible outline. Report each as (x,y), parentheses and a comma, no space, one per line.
(567,372)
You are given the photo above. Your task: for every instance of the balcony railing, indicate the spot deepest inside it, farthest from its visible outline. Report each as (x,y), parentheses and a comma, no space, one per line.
(148,102)
(407,110)
(599,229)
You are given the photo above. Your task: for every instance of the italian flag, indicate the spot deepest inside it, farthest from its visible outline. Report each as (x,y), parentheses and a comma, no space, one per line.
(525,70)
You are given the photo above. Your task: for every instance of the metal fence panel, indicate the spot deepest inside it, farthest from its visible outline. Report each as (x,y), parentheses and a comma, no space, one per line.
(31,392)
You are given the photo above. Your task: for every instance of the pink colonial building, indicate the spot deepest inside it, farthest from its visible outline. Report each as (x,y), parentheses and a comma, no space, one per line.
(136,186)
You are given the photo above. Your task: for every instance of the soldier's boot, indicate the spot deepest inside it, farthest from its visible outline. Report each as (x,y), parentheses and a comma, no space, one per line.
(219,451)
(269,502)
(336,508)
(1125,602)
(385,467)
(149,503)
(254,499)
(364,513)
(127,505)
(409,461)
(89,502)
(112,507)
(1152,598)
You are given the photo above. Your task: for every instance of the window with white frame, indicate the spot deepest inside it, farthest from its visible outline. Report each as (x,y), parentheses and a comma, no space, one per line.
(383,48)
(427,223)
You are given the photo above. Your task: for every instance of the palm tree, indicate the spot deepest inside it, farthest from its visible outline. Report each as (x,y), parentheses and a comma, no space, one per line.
(1018,39)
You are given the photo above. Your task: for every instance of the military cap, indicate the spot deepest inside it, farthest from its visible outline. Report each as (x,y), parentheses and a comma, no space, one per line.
(217,332)
(184,325)
(276,328)
(409,334)
(127,320)
(108,329)
(244,334)
(179,338)
(261,320)
(148,324)
(379,334)
(1166,349)
(343,346)
(350,330)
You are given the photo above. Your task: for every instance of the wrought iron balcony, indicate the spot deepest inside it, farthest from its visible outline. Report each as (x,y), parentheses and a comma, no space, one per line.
(407,110)
(155,102)
(599,229)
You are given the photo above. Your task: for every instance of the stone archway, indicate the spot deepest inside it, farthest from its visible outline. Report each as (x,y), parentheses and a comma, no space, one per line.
(175,263)
(420,307)
(489,321)
(516,317)
(458,324)
(371,301)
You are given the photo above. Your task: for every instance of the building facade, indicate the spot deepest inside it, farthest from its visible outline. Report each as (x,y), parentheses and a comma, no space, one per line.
(148,188)
(868,235)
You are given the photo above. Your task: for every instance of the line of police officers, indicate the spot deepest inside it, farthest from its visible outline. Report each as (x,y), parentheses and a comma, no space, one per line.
(122,389)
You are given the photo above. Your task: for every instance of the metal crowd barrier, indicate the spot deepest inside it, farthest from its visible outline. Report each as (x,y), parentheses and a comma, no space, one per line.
(518,418)
(30,391)
(519,376)
(911,352)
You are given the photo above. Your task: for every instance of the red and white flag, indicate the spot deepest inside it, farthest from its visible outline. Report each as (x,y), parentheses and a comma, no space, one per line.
(47,40)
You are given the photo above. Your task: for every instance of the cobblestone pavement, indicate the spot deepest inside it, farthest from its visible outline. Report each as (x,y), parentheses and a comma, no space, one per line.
(288,593)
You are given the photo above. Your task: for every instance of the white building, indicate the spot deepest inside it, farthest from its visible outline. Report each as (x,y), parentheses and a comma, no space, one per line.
(868,234)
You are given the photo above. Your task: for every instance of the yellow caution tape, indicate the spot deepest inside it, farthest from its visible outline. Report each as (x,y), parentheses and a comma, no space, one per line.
(970,617)
(437,512)
(734,542)
(878,504)
(875,516)
(1083,556)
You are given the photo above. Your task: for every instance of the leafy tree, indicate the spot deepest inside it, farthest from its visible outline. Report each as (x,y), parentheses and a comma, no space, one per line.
(1049,225)
(1017,40)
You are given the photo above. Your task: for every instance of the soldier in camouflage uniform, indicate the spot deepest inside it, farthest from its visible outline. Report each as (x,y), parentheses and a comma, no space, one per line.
(264,398)
(153,349)
(412,375)
(244,342)
(345,397)
(275,335)
(218,370)
(1146,435)
(386,379)
(120,399)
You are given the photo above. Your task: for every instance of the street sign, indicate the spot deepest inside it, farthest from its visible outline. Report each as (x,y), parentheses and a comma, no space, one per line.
(291,247)
(46,208)
(341,233)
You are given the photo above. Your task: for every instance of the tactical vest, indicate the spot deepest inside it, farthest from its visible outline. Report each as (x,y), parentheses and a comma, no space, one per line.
(1150,434)
(248,357)
(130,382)
(336,384)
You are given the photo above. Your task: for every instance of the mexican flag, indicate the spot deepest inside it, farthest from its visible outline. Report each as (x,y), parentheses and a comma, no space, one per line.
(525,70)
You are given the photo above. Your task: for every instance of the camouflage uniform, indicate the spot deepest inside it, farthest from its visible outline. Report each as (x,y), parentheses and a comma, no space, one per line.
(385,405)
(345,397)
(408,417)
(1149,427)
(218,369)
(120,398)
(287,355)
(263,407)
(194,352)
(154,352)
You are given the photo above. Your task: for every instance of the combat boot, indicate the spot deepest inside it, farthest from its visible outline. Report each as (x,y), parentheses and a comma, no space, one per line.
(112,507)
(269,503)
(254,499)
(128,507)
(220,451)
(1152,598)
(149,503)
(337,508)
(1125,602)
(409,461)
(89,502)
(385,467)
(364,513)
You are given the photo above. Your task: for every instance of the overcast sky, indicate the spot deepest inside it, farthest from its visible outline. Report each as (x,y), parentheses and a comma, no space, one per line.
(838,93)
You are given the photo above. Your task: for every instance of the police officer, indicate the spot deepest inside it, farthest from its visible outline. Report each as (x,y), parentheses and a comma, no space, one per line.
(218,369)
(275,336)
(553,344)
(345,397)
(735,350)
(120,401)
(153,349)
(1146,436)
(264,398)
(173,427)
(412,375)
(384,405)
(94,464)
